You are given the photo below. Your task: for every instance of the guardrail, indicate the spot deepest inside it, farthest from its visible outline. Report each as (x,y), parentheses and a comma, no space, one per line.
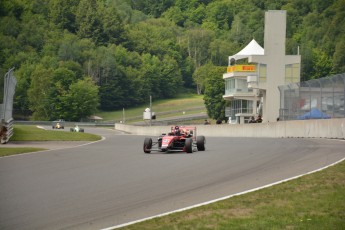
(67,123)
(6,108)
(162,121)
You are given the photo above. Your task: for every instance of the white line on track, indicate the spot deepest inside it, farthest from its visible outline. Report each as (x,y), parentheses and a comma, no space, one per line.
(220,199)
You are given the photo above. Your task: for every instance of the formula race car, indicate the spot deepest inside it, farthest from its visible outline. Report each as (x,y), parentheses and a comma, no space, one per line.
(59,124)
(77,129)
(179,139)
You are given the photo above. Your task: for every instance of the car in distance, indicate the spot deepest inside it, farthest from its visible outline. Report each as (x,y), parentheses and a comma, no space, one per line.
(77,129)
(179,139)
(58,124)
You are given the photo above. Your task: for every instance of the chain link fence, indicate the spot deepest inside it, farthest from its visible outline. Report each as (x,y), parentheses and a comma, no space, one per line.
(315,99)
(6,108)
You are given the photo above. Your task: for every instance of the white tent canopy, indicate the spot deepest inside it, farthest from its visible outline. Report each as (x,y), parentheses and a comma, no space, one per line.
(253,48)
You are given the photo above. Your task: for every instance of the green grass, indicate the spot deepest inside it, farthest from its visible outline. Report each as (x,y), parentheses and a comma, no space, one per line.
(181,102)
(315,201)
(14,151)
(32,133)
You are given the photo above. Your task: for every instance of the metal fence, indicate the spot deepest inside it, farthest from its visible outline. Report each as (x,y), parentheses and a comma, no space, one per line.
(6,108)
(315,99)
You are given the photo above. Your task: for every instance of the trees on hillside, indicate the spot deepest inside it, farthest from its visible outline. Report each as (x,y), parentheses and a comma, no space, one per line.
(133,49)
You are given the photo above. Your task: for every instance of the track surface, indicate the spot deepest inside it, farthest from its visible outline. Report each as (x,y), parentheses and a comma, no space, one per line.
(113,182)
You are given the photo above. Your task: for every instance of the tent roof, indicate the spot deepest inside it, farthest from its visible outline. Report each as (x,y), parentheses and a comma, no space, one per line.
(253,48)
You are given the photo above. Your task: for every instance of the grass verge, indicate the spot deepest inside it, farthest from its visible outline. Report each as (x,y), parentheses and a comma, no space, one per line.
(13,151)
(314,201)
(181,102)
(32,133)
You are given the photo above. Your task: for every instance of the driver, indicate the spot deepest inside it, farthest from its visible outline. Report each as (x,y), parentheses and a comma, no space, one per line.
(177,131)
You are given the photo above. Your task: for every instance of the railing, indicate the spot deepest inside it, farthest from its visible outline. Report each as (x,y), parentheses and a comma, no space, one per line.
(67,123)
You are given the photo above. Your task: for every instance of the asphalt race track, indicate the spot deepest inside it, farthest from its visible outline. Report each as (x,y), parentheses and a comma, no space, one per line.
(112,182)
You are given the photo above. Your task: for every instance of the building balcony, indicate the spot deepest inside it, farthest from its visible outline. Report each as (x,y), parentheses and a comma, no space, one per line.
(249,95)
(237,87)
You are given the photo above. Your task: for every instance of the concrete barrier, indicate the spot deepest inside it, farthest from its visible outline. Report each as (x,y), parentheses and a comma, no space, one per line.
(326,128)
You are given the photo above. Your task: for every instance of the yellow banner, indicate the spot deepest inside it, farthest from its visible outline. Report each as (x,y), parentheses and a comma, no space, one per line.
(241,68)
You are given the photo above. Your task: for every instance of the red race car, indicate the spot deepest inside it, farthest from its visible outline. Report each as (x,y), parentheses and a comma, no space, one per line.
(179,139)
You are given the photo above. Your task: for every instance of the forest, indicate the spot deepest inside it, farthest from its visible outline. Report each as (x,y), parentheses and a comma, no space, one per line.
(75,57)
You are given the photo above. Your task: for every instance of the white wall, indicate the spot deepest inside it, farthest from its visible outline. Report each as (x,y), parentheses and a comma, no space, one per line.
(275,59)
(327,128)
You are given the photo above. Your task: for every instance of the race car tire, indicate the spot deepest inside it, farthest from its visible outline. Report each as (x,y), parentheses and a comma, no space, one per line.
(147,145)
(160,142)
(188,145)
(81,130)
(200,143)
(71,129)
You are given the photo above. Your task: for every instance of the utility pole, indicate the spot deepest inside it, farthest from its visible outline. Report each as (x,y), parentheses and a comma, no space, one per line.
(123,116)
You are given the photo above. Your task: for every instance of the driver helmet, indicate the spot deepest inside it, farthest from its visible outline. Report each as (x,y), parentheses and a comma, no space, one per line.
(177,129)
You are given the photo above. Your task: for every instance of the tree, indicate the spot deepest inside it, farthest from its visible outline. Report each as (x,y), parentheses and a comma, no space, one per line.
(171,77)
(220,14)
(68,49)
(62,78)
(38,93)
(21,102)
(152,7)
(154,36)
(81,101)
(150,77)
(198,45)
(63,15)
(214,90)
(199,76)
(115,91)
(323,64)
(113,30)
(32,31)
(73,66)
(88,22)
(175,15)
(339,56)
(187,69)
(219,51)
